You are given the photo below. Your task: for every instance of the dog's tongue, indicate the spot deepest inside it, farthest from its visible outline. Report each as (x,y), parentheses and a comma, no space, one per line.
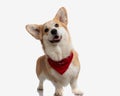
(56,38)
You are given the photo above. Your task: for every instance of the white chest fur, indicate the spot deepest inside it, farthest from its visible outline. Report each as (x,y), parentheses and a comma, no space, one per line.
(58,52)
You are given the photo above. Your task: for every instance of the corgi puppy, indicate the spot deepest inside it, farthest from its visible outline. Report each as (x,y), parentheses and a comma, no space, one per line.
(60,64)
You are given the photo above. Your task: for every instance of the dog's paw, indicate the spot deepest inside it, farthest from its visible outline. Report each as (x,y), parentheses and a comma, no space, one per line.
(58,92)
(77,92)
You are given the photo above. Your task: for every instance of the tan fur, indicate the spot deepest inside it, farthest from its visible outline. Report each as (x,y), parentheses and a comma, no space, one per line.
(57,51)
(40,65)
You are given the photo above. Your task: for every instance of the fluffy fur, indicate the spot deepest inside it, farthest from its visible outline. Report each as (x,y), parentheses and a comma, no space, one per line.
(56,42)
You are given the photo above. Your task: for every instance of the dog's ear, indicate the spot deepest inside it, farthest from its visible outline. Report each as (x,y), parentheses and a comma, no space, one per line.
(35,30)
(62,15)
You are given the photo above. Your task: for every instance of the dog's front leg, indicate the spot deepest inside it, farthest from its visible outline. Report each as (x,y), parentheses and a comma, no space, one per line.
(58,90)
(42,77)
(74,87)
(40,87)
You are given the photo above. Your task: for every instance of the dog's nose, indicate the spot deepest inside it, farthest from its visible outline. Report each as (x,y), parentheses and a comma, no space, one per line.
(53,31)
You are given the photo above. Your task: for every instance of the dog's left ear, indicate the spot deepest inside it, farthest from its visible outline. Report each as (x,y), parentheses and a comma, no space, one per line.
(35,30)
(62,15)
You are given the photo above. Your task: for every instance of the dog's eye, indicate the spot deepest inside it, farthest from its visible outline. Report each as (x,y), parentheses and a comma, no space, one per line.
(46,30)
(56,25)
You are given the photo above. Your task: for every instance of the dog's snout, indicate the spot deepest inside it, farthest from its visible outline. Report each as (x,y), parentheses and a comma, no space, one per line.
(53,31)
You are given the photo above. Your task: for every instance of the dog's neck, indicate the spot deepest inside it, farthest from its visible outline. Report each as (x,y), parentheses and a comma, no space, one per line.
(59,51)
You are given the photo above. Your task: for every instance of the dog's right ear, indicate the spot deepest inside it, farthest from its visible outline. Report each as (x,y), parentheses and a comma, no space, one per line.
(62,15)
(35,30)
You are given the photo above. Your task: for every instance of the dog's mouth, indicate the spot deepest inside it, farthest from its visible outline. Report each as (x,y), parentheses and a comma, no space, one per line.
(56,39)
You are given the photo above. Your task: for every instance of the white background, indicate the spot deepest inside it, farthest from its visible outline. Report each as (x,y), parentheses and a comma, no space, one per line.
(95,30)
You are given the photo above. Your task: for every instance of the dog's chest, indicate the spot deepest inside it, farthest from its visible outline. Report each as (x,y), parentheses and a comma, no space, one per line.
(65,79)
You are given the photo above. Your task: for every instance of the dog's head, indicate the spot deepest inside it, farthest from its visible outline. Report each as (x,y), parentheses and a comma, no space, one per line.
(52,32)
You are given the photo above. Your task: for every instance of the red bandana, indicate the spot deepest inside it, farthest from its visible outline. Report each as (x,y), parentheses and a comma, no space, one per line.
(61,66)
